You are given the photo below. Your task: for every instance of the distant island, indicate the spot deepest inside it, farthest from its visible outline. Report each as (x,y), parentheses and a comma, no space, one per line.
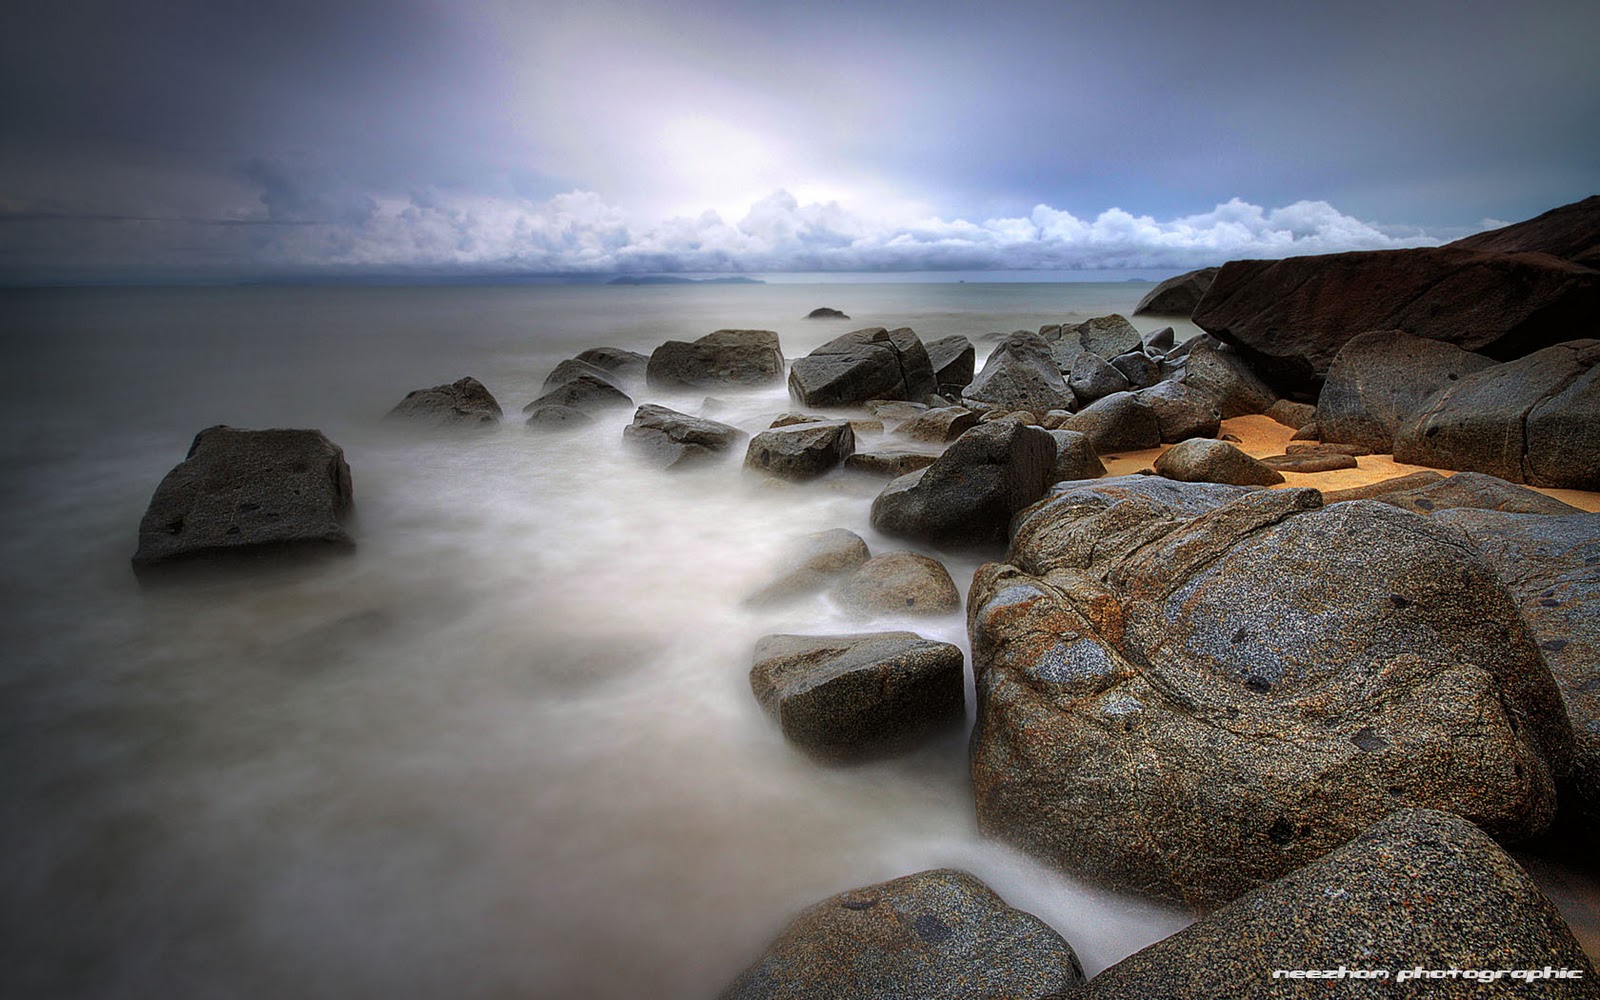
(664,279)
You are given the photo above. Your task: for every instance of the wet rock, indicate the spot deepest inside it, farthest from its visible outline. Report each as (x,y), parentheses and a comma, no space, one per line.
(1224,374)
(954,360)
(462,403)
(1473,489)
(1119,422)
(1199,460)
(720,359)
(245,492)
(1186,695)
(940,425)
(801,451)
(622,366)
(817,562)
(899,583)
(1177,296)
(967,496)
(1106,336)
(675,440)
(1181,412)
(889,462)
(824,312)
(1535,420)
(1020,374)
(1075,457)
(568,370)
(895,409)
(587,393)
(1291,414)
(864,364)
(557,418)
(1307,463)
(1379,379)
(1092,378)
(850,696)
(1138,368)
(936,935)
(1418,889)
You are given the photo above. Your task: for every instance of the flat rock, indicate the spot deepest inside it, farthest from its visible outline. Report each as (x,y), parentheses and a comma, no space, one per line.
(1398,484)
(801,451)
(1020,374)
(864,364)
(1306,463)
(462,403)
(954,360)
(675,440)
(1181,412)
(1119,422)
(1177,296)
(889,462)
(1473,489)
(1379,379)
(1199,460)
(1325,448)
(939,425)
(894,409)
(900,583)
(587,393)
(1076,459)
(719,359)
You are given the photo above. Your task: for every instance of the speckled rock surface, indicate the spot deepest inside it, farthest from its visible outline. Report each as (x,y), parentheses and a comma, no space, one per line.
(936,935)
(721,358)
(1379,379)
(1106,336)
(1075,457)
(1190,692)
(1199,460)
(801,451)
(902,583)
(1119,422)
(1291,414)
(1020,374)
(1307,462)
(1474,489)
(1093,378)
(939,425)
(889,462)
(1181,412)
(463,403)
(674,440)
(1225,375)
(1418,889)
(1371,491)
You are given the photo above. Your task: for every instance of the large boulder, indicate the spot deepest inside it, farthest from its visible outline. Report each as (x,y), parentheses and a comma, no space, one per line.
(1093,378)
(1419,891)
(622,366)
(967,496)
(954,360)
(801,451)
(1119,422)
(1225,375)
(853,696)
(1105,336)
(243,492)
(1076,458)
(1475,490)
(587,393)
(462,403)
(899,583)
(1141,370)
(1200,460)
(1292,316)
(1177,296)
(935,935)
(1379,379)
(674,440)
(1571,232)
(1186,695)
(1181,412)
(570,369)
(1020,374)
(865,364)
(1535,420)
(720,359)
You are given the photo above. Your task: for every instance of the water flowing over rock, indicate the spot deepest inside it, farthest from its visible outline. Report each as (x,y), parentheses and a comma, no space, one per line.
(623,366)
(818,561)
(801,451)
(953,360)
(935,935)
(1189,690)
(1020,374)
(1418,889)
(1379,379)
(1177,296)
(720,359)
(889,462)
(840,697)
(1199,460)
(568,370)
(462,403)
(674,440)
(557,418)
(864,364)
(245,492)
(899,583)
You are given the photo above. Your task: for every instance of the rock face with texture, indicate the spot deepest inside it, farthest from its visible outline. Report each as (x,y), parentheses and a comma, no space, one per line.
(954,360)
(1021,374)
(624,366)
(1189,690)
(1475,490)
(720,359)
(900,583)
(1177,296)
(586,393)
(1418,889)
(462,403)
(864,364)
(969,494)
(1138,368)
(1092,378)
(1105,336)
(889,462)
(675,440)
(849,696)
(935,935)
(1181,412)
(1292,316)
(1571,232)
(1075,457)
(243,492)
(1119,422)
(819,560)
(1291,414)
(940,425)
(1535,420)
(1379,379)
(1225,375)
(1199,460)
(801,451)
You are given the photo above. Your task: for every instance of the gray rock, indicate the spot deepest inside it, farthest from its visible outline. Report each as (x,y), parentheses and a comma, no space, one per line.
(818,561)
(894,409)
(1199,460)
(1020,374)
(936,935)
(1075,457)
(1291,414)
(1093,378)
(1119,422)
(1191,705)
(889,462)
(1177,296)
(801,451)
(1535,420)
(954,360)
(940,425)
(852,696)
(570,369)
(1379,379)
(588,393)
(900,583)
(825,312)
(864,364)
(1138,368)
(1106,336)
(675,440)
(244,492)
(967,496)
(1181,412)
(719,359)
(622,366)
(1417,890)
(463,403)
(1162,340)
(557,418)
(1224,373)
(1473,489)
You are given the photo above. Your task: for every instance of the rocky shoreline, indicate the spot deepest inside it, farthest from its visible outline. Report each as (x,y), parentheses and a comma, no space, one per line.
(1205,672)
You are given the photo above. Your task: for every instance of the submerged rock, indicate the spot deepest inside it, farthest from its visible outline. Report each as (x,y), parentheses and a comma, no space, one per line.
(626,366)
(557,418)
(889,462)
(462,403)
(586,393)
(902,583)
(719,359)
(1177,296)
(818,561)
(825,312)
(1199,460)
(864,364)
(801,451)
(674,440)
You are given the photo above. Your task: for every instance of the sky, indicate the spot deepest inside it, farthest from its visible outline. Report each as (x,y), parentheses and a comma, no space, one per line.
(218,140)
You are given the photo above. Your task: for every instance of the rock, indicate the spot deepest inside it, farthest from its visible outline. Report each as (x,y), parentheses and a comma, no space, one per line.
(1307,463)
(1473,489)
(1189,702)
(626,366)
(801,451)
(863,425)
(1425,478)
(823,312)
(953,360)
(1199,460)
(1535,420)
(1181,412)
(1418,890)
(1226,376)
(815,563)
(1325,448)
(889,462)
(1571,232)
(568,370)
(852,696)
(557,418)
(904,583)
(1379,379)
(723,358)
(674,440)
(1075,457)
(1548,562)
(1291,414)
(1106,336)
(1137,367)
(244,493)
(1177,296)
(864,364)
(1020,374)
(894,409)
(587,393)
(1053,419)
(1310,432)
(940,425)
(1162,340)
(790,419)
(1092,378)
(1119,422)
(1292,316)
(463,403)
(968,495)
(935,935)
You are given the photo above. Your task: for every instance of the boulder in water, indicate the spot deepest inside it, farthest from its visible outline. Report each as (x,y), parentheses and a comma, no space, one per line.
(900,583)
(864,364)
(675,440)
(801,451)
(587,393)
(826,312)
(462,403)
(717,360)
(1181,412)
